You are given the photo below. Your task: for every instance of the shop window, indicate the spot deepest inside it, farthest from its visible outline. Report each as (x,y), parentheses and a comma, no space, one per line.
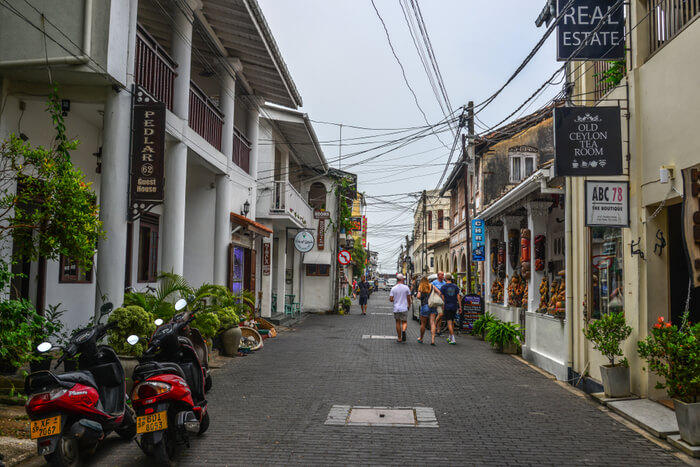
(148,248)
(318,269)
(441,219)
(430,220)
(237,265)
(317,195)
(70,272)
(606,271)
(521,167)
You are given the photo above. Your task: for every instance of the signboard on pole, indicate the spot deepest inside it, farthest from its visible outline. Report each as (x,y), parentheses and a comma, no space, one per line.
(478,240)
(587,141)
(344,257)
(147,151)
(607,204)
(318,214)
(588,32)
(304,241)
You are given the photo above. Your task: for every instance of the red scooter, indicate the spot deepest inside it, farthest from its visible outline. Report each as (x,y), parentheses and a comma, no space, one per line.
(74,411)
(168,393)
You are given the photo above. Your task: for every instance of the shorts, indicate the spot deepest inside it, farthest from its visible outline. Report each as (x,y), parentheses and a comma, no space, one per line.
(400,316)
(449,314)
(426,311)
(363,300)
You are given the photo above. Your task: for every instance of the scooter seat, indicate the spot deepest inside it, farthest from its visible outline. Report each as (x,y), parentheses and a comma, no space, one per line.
(149,369)
(80,377)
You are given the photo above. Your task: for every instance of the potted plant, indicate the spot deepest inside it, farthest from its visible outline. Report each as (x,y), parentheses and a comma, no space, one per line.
(504,336)
(130,320)
(230,334)
(345,303)
(480,325)
(673,352)
(606,334)
(208,324)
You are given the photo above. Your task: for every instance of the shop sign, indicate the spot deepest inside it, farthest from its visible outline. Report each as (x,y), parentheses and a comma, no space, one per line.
(581,35)
(321,234)
(304,241)
(266,259)
(607,204)
(691,219)
(587,141)
(478,240)
(318,214)
(471,310)
(147,152)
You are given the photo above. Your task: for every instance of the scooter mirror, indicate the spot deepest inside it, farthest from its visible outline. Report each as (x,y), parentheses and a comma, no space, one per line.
(180,304)
(106,308)
(132,339)
(158,322)
(44,347)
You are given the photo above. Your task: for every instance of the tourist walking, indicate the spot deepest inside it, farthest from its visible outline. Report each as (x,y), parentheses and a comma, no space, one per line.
(363,289)
(437,286)
(452,298)
(427,314)
(400,296)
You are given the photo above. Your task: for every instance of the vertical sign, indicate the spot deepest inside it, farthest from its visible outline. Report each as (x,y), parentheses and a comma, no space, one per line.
(364,232)
(587,141)
(478,240)
(591,30)
(266,259)
(691,220)
(321,242)
(147,152)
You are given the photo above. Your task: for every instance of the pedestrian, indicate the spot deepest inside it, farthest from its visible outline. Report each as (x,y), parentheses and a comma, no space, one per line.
(452,297)
(363,291)
(437,286)
(400,296)
(427,314)
(354,288)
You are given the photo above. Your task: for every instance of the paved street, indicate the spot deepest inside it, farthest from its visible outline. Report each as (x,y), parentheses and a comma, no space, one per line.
(270,408)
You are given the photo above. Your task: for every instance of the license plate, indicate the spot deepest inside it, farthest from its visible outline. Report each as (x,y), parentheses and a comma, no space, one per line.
(45,427)
(152,422)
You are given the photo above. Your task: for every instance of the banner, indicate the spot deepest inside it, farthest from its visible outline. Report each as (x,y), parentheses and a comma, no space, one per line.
(581,24)
(587,141)
(147,152)
(478,240)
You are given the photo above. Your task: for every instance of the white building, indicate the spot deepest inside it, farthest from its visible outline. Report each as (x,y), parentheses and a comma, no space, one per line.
(431,223)
(215,65)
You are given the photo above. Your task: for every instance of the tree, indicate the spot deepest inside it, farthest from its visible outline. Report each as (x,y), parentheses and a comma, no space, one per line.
(359,258)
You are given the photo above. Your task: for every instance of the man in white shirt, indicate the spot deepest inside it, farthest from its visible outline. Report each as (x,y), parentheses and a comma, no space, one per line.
(400,296)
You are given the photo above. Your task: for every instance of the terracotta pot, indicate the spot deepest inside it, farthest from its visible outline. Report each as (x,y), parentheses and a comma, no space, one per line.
(688,417)
(128,363)
(231,341)
(616,380)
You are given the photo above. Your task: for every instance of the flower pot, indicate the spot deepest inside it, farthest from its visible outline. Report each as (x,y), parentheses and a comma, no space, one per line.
(510,348)
(688,417)
(616,380)
(128,363)
(231,341)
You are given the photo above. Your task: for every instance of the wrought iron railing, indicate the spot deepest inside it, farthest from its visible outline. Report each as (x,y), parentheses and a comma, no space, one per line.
(241,150)
(155,69)
(667,18)
(205,117)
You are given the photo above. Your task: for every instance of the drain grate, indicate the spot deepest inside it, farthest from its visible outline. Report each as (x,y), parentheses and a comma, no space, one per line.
(372,336)
(409,417)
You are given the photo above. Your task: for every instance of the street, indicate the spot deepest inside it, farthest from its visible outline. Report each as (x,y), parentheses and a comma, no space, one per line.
(270,407)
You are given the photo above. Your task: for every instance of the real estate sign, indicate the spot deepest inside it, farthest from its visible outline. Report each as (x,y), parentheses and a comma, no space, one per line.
(607,204)
(591,30)
(587,141)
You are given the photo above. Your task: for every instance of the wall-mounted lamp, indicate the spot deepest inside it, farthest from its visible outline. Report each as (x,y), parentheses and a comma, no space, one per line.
(246,208)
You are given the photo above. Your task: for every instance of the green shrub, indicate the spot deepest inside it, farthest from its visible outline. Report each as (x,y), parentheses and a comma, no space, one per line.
(228,318)
(21,329)
(500,334)
(480,325)
(130,320)
(607,333)
(207,323)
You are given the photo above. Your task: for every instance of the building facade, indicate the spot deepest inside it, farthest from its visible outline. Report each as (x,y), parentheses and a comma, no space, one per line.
(431,223)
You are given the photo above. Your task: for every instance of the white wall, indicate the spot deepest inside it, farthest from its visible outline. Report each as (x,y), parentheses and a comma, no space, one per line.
(199,225)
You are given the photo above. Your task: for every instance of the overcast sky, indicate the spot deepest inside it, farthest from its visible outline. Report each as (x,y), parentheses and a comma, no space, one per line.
(340,60)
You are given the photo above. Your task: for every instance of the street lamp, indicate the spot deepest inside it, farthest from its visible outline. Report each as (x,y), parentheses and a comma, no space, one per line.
(246,208)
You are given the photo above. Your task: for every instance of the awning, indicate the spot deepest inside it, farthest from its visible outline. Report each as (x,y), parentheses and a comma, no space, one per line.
(250,225)
(317,257)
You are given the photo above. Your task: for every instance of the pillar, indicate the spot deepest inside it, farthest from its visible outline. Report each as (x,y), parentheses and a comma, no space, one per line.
(281,268)
(173,244)
(254,137)
(537,223)
(266,280)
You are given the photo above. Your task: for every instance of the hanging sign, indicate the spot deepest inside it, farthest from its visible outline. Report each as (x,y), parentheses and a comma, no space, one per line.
(607,204)
(581,35)
(478,240)
(304,241)
(147,151)
(266,259)
(318,214)
(344,257)
(691,220)
(587,141)
(321,234)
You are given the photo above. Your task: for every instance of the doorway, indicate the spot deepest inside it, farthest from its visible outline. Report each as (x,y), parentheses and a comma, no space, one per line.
(679,270)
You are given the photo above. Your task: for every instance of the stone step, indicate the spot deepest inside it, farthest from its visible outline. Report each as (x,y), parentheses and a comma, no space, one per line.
(652,416)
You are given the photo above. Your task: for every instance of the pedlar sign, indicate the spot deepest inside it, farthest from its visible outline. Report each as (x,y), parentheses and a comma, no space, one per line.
(147,152)
(591,30)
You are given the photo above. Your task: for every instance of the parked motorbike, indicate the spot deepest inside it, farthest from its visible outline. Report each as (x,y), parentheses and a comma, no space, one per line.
(168,393)
(72,412)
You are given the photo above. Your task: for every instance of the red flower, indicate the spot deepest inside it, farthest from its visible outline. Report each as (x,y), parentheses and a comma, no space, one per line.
(668,325)
(657,325)
(661,319)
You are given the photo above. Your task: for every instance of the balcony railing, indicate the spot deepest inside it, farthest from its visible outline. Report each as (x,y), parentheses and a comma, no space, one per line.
(601,87)
(667,19)
(205,117)
(286,199)
(241,150)
(154,70)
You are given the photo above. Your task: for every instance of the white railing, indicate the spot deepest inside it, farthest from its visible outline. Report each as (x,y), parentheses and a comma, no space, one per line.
(287,200)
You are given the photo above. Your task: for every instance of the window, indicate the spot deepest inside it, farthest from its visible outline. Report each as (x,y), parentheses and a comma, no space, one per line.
(71,273)
(441,220)
(521,166)
(318,269)
(606,285)
(432,262)
(317,195)
(148,248)
(430,220)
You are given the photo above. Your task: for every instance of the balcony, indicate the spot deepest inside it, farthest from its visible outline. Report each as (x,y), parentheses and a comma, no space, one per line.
(205,117)
(155,70)
(241,150)
(280,200)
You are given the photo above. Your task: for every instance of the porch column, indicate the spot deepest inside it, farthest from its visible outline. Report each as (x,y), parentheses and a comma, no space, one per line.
(281,268)
(266,280)
(509,222)
(173,244)
(537,223)
(253,137)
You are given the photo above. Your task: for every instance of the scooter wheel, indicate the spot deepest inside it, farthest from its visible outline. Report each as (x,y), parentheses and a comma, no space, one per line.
(67,453)
(164,450)
(208,383)
(204,424)
(128,429)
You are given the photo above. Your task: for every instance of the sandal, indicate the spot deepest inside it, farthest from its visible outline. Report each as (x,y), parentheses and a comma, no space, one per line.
(420,341)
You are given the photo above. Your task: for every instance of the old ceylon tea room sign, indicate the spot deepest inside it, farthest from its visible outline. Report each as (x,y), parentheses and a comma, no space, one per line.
(587,141)
(588,32)
(607,204)
(147,152)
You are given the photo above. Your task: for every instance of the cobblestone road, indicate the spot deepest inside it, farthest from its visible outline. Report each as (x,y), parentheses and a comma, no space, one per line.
(270,407)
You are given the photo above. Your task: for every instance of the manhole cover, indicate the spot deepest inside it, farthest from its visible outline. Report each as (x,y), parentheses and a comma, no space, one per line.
(372,336)
(420,417)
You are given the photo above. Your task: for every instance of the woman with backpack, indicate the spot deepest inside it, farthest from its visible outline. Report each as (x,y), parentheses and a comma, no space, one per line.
(427,314)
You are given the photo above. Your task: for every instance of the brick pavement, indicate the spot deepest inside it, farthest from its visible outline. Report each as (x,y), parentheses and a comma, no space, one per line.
(270,407)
